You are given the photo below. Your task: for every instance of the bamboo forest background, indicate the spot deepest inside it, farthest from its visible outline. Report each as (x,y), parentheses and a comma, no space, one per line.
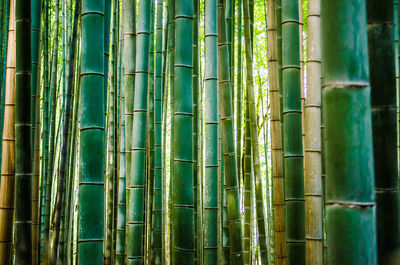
(191,132)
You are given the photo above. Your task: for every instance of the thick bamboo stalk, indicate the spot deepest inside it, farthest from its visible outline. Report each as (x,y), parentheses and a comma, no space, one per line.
(292,134)
(229,157)
(183,205)
(23,134)
(350,200)
(91,142)
(8,149)
(312,143)
(136,213)
(210,199)
(380,19)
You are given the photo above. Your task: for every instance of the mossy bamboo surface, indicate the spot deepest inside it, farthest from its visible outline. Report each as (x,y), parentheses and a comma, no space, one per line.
(129,63)
(292,134)
(182,187)
(8,149)
(312,143)
(380,20)
(210,199)
(3,63)
(91,141)
(262,240)
(350,200)
(230,172)
(136,205)
(23,130)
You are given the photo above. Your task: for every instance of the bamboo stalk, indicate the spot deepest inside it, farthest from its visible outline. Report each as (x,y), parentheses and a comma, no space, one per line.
(8,149)
(91,142)
(380,26)
(210,199)
(350,202)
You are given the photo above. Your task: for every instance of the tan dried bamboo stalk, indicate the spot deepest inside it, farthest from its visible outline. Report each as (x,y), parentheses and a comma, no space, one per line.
(276,136)
(312,144)
(8,152)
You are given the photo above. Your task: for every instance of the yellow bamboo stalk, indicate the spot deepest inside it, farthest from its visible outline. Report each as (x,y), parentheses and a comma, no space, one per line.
(276,135)
(312,159)
(8,152)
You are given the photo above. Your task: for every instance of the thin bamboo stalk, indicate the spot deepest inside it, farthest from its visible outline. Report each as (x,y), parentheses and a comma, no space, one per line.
(136,213)
(8,150)
(312,143)
(275,82)
(210,199)
(229,159)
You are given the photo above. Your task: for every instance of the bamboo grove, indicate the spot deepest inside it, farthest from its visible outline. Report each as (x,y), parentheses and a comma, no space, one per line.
(199,132)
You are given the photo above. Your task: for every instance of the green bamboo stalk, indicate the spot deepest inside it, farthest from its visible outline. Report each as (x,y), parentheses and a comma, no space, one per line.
(129,64)
(254,137)
(171,51)
(91,142)
(350,202)
(196,102)
(275,62)
(45,142)
(35,81)
(292,134)
(239,89)
(157,190)
(210,199)
(149,191)
(380,24)
(107,31)
(183,205)
(3,64)
(8,150)
(247,183)
(23,131)
(312,143)
(111,135)
(121,203)
(230,171)
(136,213)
